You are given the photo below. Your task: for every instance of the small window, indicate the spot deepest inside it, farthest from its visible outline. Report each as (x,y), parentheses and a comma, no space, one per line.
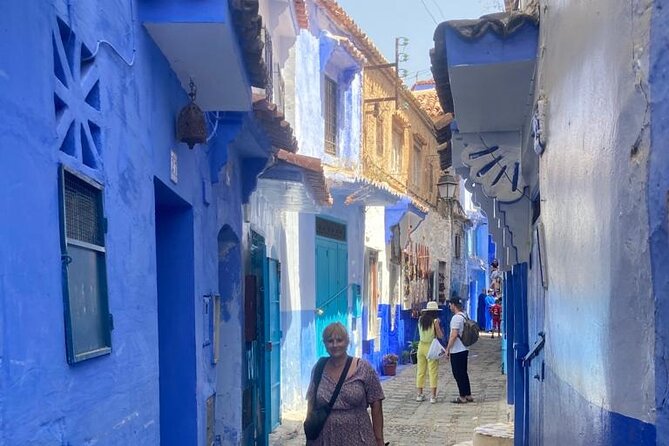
(379,137)
(87,320)
(457,253)
(330,115)
(398,145)
(417,165)
(430,179)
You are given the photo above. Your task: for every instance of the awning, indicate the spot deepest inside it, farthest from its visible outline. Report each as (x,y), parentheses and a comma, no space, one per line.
(357,190)
(394,214)
(484,74)
(295,183)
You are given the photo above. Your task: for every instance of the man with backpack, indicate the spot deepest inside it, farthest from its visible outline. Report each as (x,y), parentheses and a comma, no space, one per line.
(456,350)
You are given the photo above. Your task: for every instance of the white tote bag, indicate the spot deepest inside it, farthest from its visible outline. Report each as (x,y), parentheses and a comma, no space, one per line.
(436,350)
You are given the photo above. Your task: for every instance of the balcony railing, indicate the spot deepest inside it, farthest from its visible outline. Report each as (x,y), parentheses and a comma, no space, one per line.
(275,88)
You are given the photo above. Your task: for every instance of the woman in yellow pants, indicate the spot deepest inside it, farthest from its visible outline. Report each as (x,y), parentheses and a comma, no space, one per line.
(428,329)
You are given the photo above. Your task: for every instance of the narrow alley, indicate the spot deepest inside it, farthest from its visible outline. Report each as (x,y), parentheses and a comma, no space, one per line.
(407,422)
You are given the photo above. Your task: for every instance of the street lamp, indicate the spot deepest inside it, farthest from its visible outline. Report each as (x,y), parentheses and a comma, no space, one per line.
(448,186)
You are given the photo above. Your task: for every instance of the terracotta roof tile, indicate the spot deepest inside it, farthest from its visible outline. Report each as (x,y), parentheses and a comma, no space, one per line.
(313,174)
(302,14)
(429,102)
(278,130)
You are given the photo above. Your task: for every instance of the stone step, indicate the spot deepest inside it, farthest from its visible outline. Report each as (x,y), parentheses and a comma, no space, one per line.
(496,434)
(465,443)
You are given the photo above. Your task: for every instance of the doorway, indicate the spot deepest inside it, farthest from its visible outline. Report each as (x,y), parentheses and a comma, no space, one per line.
(331,277)
(176,317)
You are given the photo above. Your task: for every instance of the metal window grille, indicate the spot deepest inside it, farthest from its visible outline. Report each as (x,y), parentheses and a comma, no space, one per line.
(417,165)
(330,229)
(83,211)
(269,88)
(398,143)
(330,114)
(458,246)
(379,137)
(430,179)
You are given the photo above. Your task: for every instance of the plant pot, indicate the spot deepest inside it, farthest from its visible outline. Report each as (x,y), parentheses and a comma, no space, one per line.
(389,369)
(414,357)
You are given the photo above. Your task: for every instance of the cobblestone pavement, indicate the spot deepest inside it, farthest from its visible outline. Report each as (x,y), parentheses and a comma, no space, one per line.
(408,422)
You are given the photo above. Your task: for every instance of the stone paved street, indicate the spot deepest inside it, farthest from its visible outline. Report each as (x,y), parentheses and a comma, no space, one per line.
(408,422)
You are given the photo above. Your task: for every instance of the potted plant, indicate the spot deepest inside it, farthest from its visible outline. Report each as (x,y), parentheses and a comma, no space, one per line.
(390,364)
(414,351)
(405,357)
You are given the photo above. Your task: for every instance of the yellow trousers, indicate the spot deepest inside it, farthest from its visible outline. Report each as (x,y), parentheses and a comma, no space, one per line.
(432,366)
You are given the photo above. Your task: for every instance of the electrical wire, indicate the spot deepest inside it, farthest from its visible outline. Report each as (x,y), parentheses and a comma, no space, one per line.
(111,45)
(443,17)
(429,12)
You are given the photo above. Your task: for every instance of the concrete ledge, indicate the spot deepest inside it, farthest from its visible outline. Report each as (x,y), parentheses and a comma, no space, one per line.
(496,434)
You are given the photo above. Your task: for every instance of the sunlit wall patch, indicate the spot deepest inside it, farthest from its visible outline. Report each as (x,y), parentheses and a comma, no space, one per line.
(76,97)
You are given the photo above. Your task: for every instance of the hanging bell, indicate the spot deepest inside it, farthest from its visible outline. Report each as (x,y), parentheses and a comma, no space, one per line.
(191,127)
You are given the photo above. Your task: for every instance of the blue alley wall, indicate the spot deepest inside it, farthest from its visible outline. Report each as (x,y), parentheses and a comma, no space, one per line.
(112,399)
(600,252)
(658,212)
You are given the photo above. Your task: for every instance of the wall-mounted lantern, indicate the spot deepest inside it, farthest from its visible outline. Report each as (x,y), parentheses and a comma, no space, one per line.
(448,186)
(191,127)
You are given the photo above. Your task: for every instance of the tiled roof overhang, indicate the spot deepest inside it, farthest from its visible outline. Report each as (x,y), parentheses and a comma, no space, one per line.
(249,28)
(295,182)
(484,70)
(277,129)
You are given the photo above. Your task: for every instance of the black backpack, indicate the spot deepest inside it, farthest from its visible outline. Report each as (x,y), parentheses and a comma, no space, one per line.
(470,331)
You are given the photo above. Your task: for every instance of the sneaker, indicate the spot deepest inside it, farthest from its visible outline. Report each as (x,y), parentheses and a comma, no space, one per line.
(433,399)
(420,398)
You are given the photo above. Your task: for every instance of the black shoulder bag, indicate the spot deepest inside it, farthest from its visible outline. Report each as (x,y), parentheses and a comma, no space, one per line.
(316,416)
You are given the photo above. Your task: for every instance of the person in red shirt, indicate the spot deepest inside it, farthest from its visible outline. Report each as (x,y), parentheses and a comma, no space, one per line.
(496,313)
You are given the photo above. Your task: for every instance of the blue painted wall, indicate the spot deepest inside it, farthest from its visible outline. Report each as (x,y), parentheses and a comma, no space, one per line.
(112,399)
(604,381)
(658,204)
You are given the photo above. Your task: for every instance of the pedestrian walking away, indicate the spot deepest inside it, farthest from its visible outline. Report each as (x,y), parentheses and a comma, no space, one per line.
(428,329)
(458,353)
(348,421)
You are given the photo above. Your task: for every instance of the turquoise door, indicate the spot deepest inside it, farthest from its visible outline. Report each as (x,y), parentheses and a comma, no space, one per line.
(331,285)
(272,322)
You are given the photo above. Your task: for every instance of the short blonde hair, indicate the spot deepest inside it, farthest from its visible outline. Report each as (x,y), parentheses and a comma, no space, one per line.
(335,328)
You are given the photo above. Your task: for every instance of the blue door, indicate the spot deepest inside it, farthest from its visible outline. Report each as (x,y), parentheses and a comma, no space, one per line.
(253,398)
(331,285)
(273,334)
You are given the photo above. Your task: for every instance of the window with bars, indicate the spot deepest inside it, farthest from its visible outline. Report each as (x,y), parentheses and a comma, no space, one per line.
(430,179)
(379,137)
(330,115)
(88,323)
(398,145)
(417,165)
(457,251)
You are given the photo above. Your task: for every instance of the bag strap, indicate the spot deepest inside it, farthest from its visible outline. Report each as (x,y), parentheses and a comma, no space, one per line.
(341,382)
(318,374)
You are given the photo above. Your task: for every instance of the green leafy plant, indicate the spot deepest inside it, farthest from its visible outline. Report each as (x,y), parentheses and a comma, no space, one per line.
(405,358)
